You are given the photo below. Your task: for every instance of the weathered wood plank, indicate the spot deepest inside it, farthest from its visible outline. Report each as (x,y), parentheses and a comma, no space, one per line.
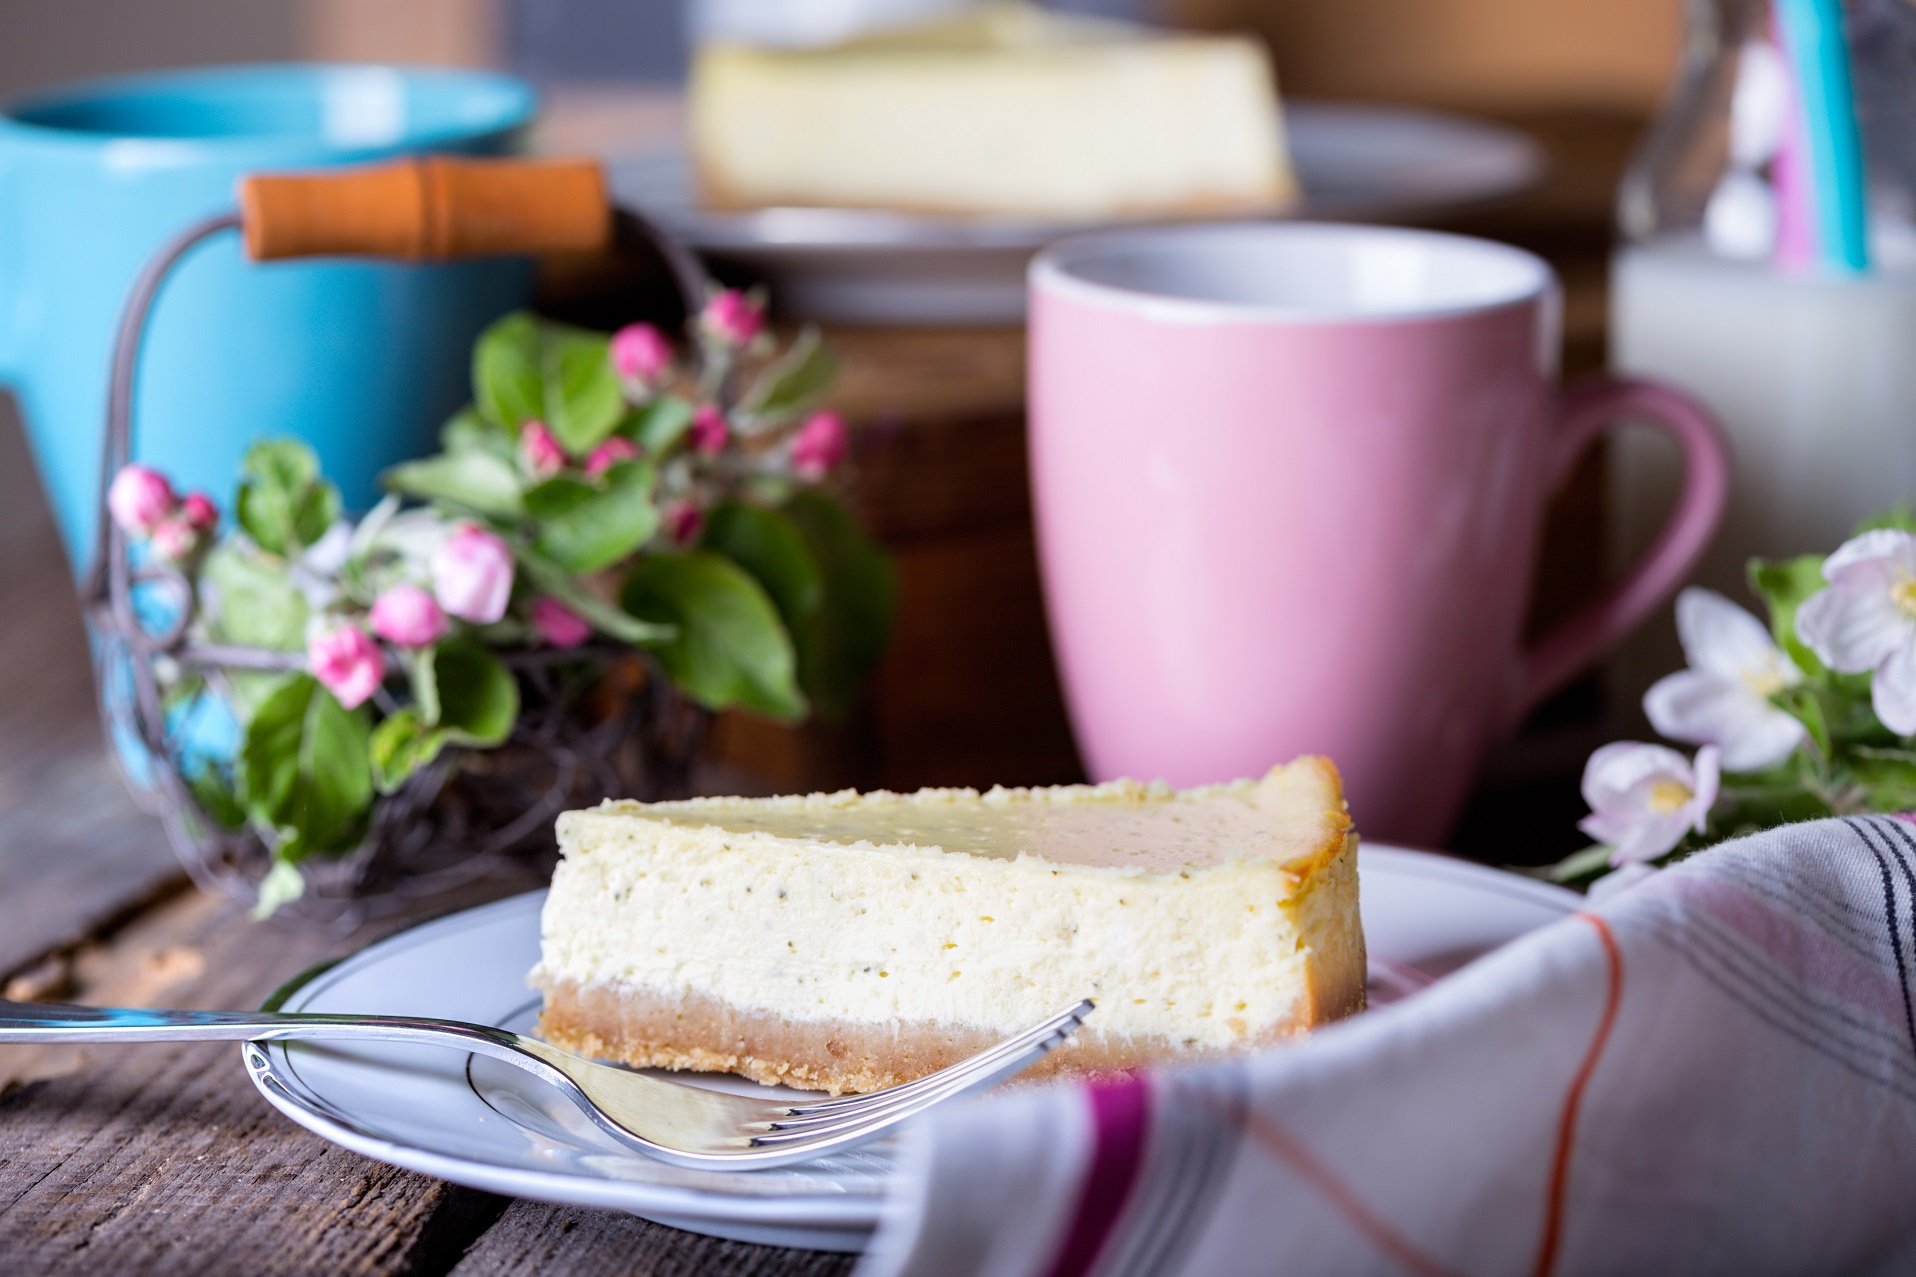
(75,853)
(162,1159)
(533,1237)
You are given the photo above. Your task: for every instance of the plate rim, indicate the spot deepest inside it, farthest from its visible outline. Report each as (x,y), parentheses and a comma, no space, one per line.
(744,234)
(857,1206)
(273,1075)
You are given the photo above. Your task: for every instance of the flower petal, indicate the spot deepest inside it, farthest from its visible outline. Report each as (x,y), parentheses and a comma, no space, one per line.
(1721,638)
(1854,627)
(1871,554)
(1766,741)
(1892,693)
(1705,710)
(1622,766)
(1650,837)
(1709,779)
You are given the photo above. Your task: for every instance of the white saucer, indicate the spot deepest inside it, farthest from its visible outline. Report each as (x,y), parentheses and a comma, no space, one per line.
(858,266)
(489,1126)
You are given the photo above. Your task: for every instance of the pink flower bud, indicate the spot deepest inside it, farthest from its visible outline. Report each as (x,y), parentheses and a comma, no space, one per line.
(683,522)
(472,575)
(608,454)
(139,498)
(820,445)
(175,538)
(641,355)
(347,663)
(731,318)
(709,431)
(201,514)
(408,616)
(558,624)
(539,449)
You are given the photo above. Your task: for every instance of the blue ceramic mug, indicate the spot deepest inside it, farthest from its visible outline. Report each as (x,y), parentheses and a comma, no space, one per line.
(364,360)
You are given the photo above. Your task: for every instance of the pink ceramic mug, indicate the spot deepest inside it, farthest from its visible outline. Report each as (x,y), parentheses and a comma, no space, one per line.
(1290,482)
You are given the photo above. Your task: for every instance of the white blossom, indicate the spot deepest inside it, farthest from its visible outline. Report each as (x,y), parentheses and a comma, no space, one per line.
(1645,798)
(1865,619)
(1723,699)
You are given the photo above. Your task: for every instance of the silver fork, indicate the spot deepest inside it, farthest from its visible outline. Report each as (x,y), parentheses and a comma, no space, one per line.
(672,1121)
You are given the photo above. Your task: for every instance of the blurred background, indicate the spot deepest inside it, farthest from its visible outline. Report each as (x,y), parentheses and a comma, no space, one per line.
(968,694)
(1504,56)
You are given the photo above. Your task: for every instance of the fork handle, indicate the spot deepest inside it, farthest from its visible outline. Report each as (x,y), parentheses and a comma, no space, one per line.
(53,1022)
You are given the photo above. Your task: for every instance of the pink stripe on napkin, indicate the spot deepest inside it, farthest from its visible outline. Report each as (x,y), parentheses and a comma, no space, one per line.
(1120,1111)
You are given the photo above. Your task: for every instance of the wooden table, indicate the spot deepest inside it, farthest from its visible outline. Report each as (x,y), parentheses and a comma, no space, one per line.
(163,1159)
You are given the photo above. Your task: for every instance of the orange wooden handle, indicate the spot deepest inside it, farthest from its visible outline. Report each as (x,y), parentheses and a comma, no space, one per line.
(430,208)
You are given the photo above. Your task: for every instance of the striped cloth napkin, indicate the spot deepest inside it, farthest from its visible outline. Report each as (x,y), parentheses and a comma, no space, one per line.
(1713,1071)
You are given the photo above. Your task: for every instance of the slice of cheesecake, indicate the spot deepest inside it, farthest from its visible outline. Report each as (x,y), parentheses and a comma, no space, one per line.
(1005,110)
(850,942)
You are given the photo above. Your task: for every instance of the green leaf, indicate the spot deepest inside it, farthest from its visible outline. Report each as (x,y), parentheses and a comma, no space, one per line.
(1803,704)
(288,464)
(253,601)
(587,527)
(583,400)
(508,387)
(549,578)
(557,496)
(213,791)
(1740,812)
(470,479)
(423,675)
(283,505)
(401,745)
(659,424)
(847,637)
(249,691)
(282,885)
(524,369)
(1901,519)
(478,697)
(1784,584)
(792,383)
(316,510)
(770,547)
(729,647)
(468,431)
(1888,777)
(1577,867)
(305,770)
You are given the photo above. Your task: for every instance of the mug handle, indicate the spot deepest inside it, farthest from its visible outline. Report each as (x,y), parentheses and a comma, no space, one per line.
(1586,413)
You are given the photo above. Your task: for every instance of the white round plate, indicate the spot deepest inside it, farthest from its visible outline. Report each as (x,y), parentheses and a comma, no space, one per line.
(1368,163)
(489,1126)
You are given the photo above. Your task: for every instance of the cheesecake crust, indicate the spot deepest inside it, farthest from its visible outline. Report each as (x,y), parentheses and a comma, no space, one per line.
(698,1033)
(717,195)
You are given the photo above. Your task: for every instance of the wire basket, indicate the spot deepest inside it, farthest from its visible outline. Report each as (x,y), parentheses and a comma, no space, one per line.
(597,721)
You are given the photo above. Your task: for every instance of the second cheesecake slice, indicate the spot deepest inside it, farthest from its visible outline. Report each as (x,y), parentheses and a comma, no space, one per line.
(850,942)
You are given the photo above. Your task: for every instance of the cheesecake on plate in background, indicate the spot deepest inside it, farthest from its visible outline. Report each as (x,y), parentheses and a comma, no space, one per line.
(850,942)
(1006,111)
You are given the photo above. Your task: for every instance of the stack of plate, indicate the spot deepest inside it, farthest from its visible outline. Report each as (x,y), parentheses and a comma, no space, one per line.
(859,266)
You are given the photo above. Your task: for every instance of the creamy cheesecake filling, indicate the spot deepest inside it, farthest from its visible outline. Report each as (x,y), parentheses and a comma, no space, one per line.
(1007,110)
(1123,825)
(767,926)
(850,941)
(769,133)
